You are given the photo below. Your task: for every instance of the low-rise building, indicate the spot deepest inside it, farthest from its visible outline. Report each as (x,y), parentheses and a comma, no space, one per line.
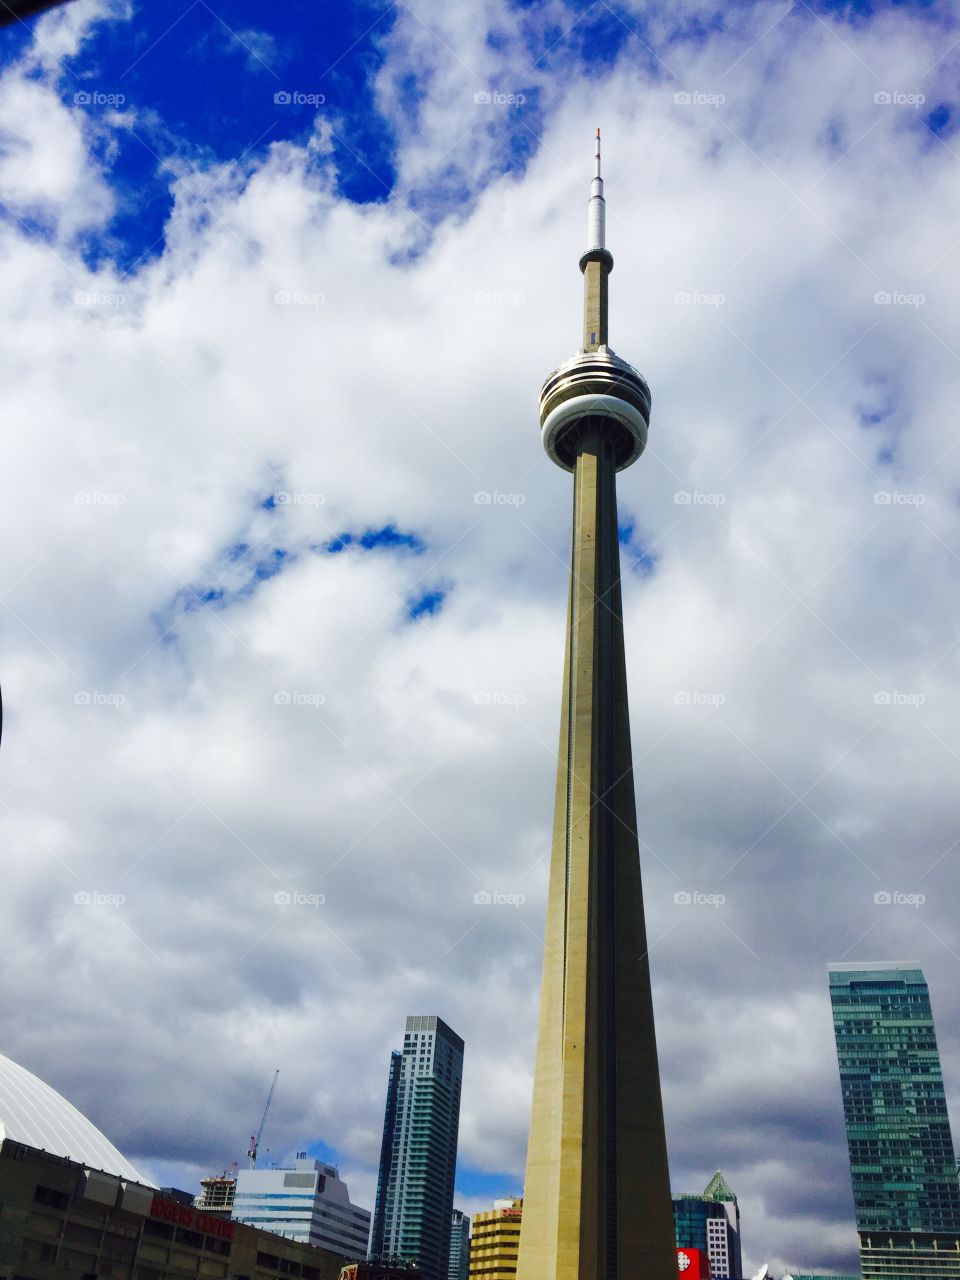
(495,1241)
(306,1202)
(63,1218)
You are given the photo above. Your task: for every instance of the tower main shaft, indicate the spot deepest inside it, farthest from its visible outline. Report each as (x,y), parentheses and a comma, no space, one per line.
(597,1201)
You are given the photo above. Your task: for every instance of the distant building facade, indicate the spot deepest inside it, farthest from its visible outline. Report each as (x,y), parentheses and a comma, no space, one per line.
(418,1157)
(459,1265)
(905,1184)
(495,1241)
(62,1218)
(216,1195)
(307,1202)
(710,1223)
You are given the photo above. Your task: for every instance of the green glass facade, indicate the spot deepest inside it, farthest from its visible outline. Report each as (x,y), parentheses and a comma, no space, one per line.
(905,1184)
(711,1223)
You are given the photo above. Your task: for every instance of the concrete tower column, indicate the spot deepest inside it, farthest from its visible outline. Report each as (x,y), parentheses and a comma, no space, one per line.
(597,1200)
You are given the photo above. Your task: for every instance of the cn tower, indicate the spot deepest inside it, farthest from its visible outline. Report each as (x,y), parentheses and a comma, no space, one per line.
(597,1200)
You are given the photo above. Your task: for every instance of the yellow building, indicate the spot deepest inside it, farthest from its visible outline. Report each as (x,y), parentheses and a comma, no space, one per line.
(495,1240)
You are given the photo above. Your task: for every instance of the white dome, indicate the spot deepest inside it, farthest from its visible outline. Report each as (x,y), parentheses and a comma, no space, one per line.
(34,1114)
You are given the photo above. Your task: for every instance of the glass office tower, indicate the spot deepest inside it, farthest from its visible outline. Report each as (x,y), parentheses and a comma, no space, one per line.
(418,1156)
(905,1184)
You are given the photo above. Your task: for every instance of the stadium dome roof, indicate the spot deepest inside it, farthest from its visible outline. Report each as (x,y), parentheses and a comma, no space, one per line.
(34,1114)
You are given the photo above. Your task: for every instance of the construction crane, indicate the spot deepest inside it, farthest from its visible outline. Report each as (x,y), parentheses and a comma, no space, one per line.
(255,1139)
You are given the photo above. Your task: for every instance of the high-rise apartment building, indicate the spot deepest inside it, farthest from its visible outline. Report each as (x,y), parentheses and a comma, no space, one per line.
(905,1184)
(306,1202)
(418,1157)
(495,1241)
(711,1223)
(459,1265)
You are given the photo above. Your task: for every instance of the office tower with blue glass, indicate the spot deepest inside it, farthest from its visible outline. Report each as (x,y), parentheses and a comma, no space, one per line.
(418,1155)
(905,1184)
(711,1223)
(459,1265)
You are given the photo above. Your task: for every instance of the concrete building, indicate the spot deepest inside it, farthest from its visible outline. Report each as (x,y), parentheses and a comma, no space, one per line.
(905,1185)
(61,1218)
(710,1223)
(418,1156)
(306,1202)
(459,1265)
(495,1241)
(216,1195)
(597,1202)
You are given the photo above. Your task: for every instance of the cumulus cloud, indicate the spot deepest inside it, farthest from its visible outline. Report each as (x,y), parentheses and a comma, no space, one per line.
(283,791)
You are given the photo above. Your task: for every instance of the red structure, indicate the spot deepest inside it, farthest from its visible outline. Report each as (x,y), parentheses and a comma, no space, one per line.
(693,1264)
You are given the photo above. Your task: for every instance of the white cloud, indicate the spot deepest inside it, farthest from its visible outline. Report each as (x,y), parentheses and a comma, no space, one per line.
(391,394)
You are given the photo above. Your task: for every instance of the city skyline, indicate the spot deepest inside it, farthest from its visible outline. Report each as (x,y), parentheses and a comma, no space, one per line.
(282,560)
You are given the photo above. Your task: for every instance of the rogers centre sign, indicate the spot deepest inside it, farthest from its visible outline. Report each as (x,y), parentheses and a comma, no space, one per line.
(182,1215)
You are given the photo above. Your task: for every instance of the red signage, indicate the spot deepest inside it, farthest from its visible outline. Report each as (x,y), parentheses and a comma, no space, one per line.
(182,1215)
(693,1264)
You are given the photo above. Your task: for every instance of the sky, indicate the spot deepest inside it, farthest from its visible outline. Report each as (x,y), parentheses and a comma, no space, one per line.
(283,567)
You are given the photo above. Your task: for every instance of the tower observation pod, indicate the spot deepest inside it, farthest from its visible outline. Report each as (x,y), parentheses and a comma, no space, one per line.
(597,1202)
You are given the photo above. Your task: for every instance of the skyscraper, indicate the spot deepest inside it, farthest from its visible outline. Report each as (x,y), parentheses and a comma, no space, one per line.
(418,1155)
(459,1266)
(905,1184)
(711,1223)
(597,1203)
